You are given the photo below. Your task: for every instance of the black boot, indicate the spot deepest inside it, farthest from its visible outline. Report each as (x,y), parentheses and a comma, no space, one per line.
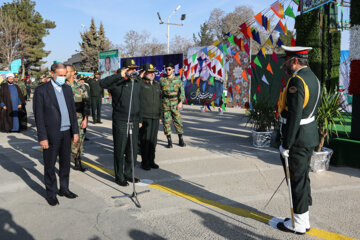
(181,141)
(169,141)
(78,165)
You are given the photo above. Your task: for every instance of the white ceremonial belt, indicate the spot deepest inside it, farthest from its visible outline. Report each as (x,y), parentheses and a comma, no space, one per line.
(302,121)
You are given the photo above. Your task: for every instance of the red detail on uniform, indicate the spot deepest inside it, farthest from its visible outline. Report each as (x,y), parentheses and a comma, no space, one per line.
(283,82)
(298,52)
(354,87)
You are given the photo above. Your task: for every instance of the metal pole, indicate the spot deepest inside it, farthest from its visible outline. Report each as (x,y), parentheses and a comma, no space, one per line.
(287,172)
(168,35)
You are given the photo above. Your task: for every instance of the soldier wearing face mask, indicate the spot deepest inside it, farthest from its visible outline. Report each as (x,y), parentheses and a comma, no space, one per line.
(152,112)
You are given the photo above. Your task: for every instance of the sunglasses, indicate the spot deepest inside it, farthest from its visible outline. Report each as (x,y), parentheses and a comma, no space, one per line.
(168,69)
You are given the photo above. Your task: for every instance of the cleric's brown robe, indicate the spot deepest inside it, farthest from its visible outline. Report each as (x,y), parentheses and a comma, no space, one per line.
(6,119)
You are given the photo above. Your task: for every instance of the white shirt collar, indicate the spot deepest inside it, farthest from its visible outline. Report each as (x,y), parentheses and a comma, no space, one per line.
(56,87)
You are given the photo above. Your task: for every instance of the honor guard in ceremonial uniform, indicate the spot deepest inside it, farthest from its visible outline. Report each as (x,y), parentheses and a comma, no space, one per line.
(81,99)
(173,96)
(298,106)
(96,94)
(151,107)
(122,86)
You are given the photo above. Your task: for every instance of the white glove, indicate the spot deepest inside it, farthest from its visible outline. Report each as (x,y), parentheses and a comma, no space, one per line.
(284,152)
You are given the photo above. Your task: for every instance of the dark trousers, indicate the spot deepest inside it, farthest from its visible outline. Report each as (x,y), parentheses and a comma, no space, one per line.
(122,164)
(58,147)
(299,164)
(96,108)
(148,140)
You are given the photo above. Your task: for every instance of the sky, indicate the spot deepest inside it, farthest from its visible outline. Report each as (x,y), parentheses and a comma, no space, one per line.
(119,16)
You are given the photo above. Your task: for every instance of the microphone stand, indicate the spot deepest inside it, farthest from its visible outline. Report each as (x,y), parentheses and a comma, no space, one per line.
(129,131)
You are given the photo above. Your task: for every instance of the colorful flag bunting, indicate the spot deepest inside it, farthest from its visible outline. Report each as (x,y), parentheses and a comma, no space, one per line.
(261,54)
(259,18)
(286,29)
(218,57)
(214,69)
(265,80)
(269,69)
(280,43)
(194,57)
(198,82)
(216,43)
(274,57)
(268,42)
(279,28)
(219,73)
(271,38)
(243,74)
(258,88)
(253,64)
(278,9)
(257,62)
(247,49)
(256,36)
(205,50)
(212,80)
(265,22)
(237,57)
(232,40)
(289,12)
(268,24)
(225,49)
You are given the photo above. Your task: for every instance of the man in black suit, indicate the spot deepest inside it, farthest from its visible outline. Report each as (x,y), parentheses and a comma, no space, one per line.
(56,123)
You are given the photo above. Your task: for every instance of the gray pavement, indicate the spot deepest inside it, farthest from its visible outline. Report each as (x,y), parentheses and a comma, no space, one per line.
(219,163)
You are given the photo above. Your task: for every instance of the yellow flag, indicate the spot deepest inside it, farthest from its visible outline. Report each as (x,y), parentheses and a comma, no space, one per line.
(268,42)
(192,79)
(216,43)
(242,46)
(213,105)
(286,29)
(263,50)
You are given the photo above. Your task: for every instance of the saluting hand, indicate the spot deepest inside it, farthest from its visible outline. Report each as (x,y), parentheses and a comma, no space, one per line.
(75,138)
(123,71)
(140,125)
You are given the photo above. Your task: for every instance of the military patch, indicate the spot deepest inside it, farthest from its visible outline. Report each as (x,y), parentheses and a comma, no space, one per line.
(151,66)
(132,61)
(293,89)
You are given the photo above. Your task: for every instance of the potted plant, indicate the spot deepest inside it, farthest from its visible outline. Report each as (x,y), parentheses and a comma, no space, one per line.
(328,116)
(261,117)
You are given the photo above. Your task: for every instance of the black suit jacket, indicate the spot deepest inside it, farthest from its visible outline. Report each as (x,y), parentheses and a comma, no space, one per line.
(47,111)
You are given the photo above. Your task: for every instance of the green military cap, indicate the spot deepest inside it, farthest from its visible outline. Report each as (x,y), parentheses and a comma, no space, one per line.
(129,63)
(148,67)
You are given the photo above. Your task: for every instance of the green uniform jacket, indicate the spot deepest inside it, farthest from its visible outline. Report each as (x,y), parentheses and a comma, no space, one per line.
(172,90)
(95,88)
(151,100)
(81,98)
(294,134)
(120,90)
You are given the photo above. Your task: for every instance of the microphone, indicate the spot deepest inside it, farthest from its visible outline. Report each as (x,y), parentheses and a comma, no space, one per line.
(134,74)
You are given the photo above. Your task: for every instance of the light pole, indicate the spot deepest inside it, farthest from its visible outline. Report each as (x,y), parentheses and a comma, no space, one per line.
(175,24)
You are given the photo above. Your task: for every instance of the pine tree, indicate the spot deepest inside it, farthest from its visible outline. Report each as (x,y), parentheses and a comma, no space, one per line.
(205,37)
(93,41)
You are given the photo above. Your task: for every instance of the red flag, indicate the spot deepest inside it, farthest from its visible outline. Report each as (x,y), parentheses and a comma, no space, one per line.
(274,57)
(247,49)
(253,64)
(258,88)
(186,61)
(219,72)
(293,42)
(249,71)
(214,69)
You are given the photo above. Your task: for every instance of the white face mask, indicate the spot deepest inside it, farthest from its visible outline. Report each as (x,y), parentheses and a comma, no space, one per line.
(60,80)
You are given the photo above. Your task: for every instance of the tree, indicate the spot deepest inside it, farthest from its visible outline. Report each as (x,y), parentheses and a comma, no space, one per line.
(181,44)
(93,41)
(35,29)
(204,37)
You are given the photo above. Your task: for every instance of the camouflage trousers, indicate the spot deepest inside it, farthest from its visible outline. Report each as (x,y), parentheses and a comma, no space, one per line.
(172,113)
(77,148)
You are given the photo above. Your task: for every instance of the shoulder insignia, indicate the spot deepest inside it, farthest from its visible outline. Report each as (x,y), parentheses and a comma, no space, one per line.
(292,89)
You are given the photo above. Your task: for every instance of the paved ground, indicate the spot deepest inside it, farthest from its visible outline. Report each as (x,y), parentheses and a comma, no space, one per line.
(218,164)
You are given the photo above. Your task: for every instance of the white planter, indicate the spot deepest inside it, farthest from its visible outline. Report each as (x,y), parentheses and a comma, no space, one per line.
(261,139)
(320,161)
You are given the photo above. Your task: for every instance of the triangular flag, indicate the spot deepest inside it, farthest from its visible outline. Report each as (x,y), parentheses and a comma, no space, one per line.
(248,32)
(268,24)
(242,46)
(193,68)
(249,71)
(253,65)
(297,2)
(256,36)
(258,88)
(232,40)
(258,18)
(225,49)
(198,82)
(220,47)
(216,43)
(261,54)
(214,69)
(271,38)
(282,26)
(293,41)
(212,80)
(263,50)
(247,49)
(243,74)
(194,57)
(186,61)
(265,80)
(274,57)
(180,72)
(265,22)
(219,73)
(254,97)
(237,88)
(257,62)
(205,50)
(268,42)
(286,29)
(269,69)
(237,57)
(279,28)
(289,12)
(192,79)
(280,43)
(278,9)
(218,57)
(230,91)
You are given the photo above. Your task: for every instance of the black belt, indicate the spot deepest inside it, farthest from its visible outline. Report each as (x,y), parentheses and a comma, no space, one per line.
(168,96)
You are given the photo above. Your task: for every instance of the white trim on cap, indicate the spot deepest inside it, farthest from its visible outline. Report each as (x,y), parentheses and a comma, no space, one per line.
(295,49)
(354,49)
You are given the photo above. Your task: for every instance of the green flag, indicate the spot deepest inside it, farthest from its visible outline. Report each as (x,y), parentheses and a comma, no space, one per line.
(257,62)
(225,49)
(254,97)
(231,40)
(212,80)
(194,57)
(297,2)
(289,12)
(223,107)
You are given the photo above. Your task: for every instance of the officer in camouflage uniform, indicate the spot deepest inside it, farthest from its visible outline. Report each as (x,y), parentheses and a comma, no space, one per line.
(96,93)
(298,106)
(173,96)
(28,88)
(81,99)
(21,85)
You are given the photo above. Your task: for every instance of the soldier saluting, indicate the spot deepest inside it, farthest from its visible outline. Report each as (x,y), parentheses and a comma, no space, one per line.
(173,96)
(120,87)
(298,106)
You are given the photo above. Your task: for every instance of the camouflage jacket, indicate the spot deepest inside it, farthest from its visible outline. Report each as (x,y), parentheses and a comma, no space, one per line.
(172,90)
(22,87)
(81,98)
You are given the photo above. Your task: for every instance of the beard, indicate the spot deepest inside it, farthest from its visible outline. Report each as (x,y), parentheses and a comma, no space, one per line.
(150,78)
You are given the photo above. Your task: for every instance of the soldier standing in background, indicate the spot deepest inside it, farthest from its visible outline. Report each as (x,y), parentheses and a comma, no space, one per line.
(173,95)
(28,87)
(151,107)
(21,85)
(96,94)
(81,100)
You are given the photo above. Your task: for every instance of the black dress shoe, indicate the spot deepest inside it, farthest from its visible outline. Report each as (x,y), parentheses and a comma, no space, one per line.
(288,219)
(154,165)
(53,201)
(146,168)
(67,194)
(122,183)
(99,122)
(86,139)
(131,180)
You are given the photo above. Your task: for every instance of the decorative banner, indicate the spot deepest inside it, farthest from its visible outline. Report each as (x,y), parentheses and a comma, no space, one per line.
(310,5)
(257,62)
(269,69)
(259,18)
(15,65)
(274,57)
(289,12)
(278,9)
(108,62)
(265,80)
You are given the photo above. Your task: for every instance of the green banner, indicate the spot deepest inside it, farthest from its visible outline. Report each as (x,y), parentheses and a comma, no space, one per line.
(110,54)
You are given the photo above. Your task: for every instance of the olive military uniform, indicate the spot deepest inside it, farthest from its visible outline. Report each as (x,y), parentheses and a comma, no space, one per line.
(81,99)
(120,89)
(151,106)
(96,93)
(173,94)
(22,87)
(299,133)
